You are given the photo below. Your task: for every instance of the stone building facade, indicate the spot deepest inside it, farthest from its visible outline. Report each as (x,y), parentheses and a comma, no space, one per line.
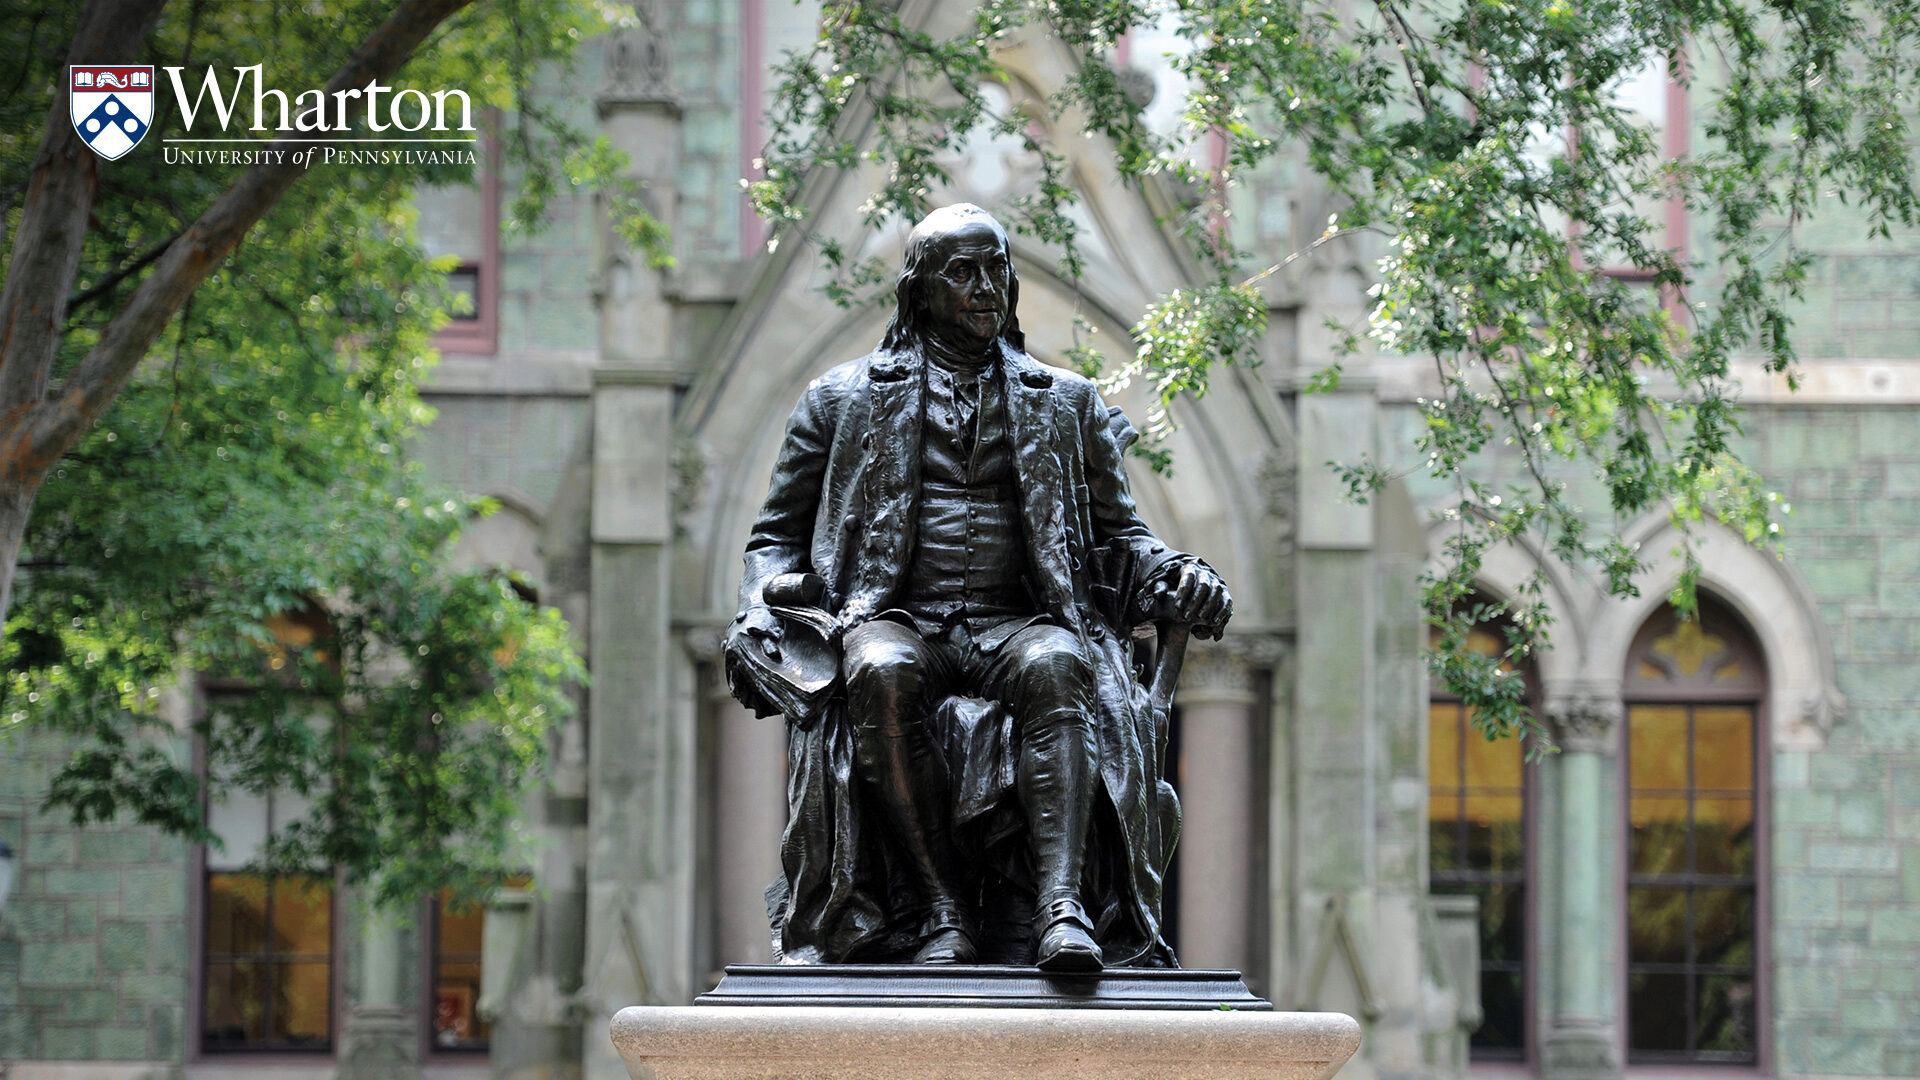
(626,418)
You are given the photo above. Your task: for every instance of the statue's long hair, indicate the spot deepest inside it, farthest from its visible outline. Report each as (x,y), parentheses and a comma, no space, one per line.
(909,314)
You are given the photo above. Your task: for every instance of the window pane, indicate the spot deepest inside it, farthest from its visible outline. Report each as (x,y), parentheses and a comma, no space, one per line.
(1657,925)
(1476,810)
(269,972)
(1657,1012)
(1443,844)
(460,930)
(1723,927)
(302,918)
(1726,1014)
(303,1005)
(1493,832)
(1691,813)
(1492,763)
(239,819)
(1723,836)
(1657,746)
(1503,1004)
(236,914)
(233,1008)
(1723,748)
(1503,924)
(456,1026)
(463,289)
(1443,746)
(1658,844)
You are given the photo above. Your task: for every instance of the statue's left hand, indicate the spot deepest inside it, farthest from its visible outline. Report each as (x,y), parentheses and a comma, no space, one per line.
(1193,594)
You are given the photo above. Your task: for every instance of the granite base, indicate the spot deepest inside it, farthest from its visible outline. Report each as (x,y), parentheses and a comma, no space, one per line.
(719,1042)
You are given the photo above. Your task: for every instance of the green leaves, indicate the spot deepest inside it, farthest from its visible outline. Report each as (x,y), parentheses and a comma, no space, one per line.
(1525,193)
(240,556)
(1179,341)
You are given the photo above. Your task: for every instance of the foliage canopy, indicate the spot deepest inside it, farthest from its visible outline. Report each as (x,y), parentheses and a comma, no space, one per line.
(1482,147)
(240,539)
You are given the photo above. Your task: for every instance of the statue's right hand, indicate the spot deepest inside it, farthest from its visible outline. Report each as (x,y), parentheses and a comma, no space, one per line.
(757,628)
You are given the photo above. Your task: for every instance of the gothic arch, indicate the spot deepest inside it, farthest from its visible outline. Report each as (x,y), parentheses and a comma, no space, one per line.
(1503,572)
(1593,631)
(784,332)
(509,537)
(1803,693)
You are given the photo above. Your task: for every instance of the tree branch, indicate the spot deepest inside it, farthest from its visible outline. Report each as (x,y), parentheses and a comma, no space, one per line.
(107,283)
(32,447)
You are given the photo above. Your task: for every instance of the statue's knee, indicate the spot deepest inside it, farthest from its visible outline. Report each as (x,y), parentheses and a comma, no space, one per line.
(1054,670)
(881,666)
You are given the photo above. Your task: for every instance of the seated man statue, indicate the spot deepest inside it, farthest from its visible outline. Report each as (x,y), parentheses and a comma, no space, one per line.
(940,594)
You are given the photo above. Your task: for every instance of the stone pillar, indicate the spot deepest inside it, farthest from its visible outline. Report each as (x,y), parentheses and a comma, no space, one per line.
(1581,1036)
(641,747)
(379,1040)
(641,790)
(1217,787)
(1334,681)
(749,814)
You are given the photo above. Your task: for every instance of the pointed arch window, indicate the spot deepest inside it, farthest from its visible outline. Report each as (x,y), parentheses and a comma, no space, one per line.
(1694,774)
(1479,821)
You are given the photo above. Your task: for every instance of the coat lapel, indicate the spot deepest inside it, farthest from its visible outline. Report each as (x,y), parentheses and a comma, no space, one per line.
(1030,408)
(891,449)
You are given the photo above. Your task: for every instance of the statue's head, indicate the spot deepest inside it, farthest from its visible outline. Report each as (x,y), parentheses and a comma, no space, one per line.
(957,283)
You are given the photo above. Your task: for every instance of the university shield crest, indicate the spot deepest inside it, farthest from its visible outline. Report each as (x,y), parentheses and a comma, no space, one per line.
(111,106)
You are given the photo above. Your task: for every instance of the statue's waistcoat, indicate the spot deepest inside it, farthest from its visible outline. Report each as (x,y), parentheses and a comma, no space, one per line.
(887,520)
(969,552)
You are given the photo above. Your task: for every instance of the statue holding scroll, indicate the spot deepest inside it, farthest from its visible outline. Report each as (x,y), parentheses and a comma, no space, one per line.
(941,595)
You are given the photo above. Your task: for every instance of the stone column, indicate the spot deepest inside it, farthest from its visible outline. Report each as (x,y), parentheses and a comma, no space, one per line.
(1217,788)
(1581,1036)
(1335,678)
(641,790)
(379,1040)
(641,747)
(749,814)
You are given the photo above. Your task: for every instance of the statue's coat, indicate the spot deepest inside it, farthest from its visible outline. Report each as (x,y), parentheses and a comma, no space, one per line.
(842,504)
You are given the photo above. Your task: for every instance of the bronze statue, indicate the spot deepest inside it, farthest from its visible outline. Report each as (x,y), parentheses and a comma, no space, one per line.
(940,594)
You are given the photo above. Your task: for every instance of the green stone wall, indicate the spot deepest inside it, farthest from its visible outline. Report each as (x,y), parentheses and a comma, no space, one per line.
(1846,818)
(93,941)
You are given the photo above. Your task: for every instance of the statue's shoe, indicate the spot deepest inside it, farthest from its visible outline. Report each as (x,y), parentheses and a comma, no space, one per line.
(950,945)
(1066,943)
(947,938)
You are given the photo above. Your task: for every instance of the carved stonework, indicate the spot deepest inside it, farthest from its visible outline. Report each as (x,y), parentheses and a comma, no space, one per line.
(379,1045)
(689,465)
(1278,482)
(1585,723)
(1219,672)
(702,644)
(637,68)
(1821,711)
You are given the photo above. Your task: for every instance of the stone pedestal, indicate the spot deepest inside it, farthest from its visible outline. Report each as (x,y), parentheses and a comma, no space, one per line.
(731,1043)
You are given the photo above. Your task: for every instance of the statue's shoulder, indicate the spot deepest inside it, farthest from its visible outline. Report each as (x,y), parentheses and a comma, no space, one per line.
(843,380)
(1068,385)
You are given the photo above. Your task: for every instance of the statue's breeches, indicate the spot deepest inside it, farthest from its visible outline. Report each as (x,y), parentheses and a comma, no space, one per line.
(894,678)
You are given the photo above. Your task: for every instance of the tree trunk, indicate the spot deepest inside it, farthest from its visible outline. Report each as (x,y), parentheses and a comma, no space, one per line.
(16,504)
(37,428)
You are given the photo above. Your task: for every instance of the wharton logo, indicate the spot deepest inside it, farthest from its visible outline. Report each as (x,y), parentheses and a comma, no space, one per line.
(111,106)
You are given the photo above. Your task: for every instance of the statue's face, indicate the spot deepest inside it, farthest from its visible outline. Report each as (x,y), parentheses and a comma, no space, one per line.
(966,287)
